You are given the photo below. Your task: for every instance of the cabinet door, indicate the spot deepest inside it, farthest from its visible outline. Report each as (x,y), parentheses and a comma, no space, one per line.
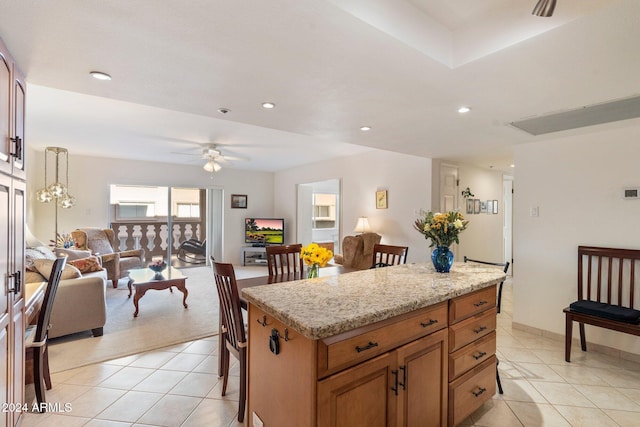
(6,85)
(17,144)
(6,350)
(16,297)
(360,396)
(422,367)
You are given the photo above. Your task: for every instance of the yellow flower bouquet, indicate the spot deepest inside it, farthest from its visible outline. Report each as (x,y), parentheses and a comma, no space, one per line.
(442,228)
(314,257)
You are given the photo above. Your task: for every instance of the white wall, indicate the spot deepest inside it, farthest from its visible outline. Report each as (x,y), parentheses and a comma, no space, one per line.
(407,179)
(576,182)
(483,238)
(90,177)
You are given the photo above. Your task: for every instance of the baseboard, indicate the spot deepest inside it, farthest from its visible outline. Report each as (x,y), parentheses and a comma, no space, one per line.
(599,348)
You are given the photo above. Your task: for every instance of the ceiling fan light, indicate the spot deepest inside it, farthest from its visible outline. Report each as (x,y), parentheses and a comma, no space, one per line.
(544,8)
(212,166)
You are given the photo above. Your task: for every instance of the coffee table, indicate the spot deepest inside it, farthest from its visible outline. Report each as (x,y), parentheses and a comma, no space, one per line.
(144,279)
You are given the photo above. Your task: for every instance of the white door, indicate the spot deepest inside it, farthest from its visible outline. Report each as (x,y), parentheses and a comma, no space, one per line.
(448,188)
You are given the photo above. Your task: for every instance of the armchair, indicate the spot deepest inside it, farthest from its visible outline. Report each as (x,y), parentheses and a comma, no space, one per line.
(357,251)
(101,242)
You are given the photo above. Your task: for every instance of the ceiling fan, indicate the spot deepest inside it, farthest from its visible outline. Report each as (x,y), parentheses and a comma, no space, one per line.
(213,156)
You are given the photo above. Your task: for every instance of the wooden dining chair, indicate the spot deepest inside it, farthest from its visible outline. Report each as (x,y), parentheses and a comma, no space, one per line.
(505,266)
(386,255)
(284,259)
(36,335)
(232,329)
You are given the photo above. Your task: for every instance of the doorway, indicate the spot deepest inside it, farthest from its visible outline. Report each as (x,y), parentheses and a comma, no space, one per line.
(319,212)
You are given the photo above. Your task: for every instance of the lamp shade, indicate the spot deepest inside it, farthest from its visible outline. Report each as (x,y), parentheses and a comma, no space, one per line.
(362,226)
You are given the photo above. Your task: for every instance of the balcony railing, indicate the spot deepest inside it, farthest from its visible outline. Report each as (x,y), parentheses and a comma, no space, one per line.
(152,236)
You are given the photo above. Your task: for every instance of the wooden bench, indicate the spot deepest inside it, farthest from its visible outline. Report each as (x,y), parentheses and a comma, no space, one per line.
(607,289)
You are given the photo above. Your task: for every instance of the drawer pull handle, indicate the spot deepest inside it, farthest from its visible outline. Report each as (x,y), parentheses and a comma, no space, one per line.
(395,387)
(480,329)
(366,347)
(479,392)
(429,323)
(480,303)
(480,355)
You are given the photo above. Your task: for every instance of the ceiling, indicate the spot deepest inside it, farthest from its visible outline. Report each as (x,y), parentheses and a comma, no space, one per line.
(402,67)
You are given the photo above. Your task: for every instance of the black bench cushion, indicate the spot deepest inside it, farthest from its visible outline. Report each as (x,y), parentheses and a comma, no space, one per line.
(607,311)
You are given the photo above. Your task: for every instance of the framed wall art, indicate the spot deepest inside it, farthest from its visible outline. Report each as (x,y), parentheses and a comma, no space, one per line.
(483,206)
(490,206)
(239,201)
(469,206)
(476,206)
(495,206)
(381,199)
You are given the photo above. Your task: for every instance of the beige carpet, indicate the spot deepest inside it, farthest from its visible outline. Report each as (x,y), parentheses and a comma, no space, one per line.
(162,321)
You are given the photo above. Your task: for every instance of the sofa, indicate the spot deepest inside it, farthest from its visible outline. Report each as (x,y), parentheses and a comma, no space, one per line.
(357,251)
(80,302)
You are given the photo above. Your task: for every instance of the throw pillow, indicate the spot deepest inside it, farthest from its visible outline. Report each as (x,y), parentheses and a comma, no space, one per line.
(72,253)
(39,252)
(33,277)
(87,265)
(44,266)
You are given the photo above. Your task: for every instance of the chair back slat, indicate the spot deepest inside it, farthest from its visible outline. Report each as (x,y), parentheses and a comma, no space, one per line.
(384,255)
(49,295)
(230,308)
(607,275)
(284,259)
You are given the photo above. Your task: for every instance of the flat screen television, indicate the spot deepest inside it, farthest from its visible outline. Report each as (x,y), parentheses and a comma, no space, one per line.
(264,231)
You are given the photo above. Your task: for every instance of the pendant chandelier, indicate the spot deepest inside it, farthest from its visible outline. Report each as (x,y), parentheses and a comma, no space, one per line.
(58,189)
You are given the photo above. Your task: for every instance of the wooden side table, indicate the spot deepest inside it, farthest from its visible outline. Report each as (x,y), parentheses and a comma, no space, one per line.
(144,279)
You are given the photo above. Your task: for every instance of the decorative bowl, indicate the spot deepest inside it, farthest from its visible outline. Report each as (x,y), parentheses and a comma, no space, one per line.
(158,267)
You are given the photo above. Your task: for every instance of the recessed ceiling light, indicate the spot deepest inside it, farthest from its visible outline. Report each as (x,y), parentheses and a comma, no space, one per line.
(223,110)
(463,110)
(100,75)
(513,166)
(268,105)
(365,128)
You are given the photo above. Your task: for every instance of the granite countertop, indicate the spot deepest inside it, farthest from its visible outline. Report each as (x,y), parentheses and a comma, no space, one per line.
(326,306)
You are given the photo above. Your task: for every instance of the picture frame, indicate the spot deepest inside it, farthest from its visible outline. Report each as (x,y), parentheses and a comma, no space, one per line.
(490,207)
(239,201)
(495,206)
(476,206)
(469,206)
(483,206)
(381,199)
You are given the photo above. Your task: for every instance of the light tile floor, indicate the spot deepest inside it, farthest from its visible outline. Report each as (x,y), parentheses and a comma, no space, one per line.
(178,386)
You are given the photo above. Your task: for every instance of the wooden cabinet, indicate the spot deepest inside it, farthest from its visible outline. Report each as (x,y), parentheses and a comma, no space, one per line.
(391,373)
(472,348)
(12,215)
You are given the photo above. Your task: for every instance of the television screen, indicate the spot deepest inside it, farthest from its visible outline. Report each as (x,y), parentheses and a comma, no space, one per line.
(264,231)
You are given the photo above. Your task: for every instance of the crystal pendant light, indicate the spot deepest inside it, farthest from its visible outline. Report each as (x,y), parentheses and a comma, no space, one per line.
(57,189)
(43,195)
(66,201)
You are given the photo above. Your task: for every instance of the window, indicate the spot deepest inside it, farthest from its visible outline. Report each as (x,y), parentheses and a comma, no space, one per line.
(135,210)
(324,210)
(188,210)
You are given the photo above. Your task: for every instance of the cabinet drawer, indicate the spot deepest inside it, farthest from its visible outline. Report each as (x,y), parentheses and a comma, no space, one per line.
(471,390)
(470,356)
(471,329)
(344,350)
(467,305)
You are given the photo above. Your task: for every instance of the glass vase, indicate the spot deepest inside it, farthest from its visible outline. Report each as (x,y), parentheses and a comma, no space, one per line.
(312,271)
(442,258)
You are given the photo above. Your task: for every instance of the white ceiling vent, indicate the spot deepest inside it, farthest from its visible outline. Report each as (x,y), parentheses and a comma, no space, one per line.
(590,115)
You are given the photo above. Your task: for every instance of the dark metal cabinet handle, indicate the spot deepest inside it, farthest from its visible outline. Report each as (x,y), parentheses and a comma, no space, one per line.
(403,383)
(480,355)
(16,282)
(480,303)
(429,323)
(395,387)
(480,329)
(366,347)
(17,148)
(479,392)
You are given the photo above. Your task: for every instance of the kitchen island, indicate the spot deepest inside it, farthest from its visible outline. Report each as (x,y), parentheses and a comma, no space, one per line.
(400,345)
